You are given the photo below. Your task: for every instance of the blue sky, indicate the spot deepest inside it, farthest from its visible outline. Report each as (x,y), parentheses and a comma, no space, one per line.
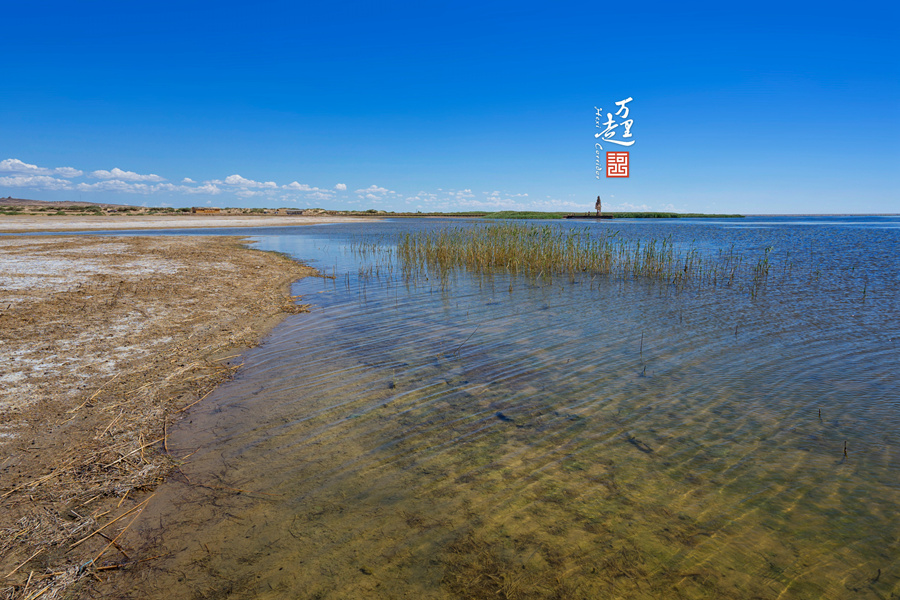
(753,108)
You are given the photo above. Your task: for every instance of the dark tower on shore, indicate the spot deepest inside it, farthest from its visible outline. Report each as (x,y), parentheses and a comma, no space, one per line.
(599,207)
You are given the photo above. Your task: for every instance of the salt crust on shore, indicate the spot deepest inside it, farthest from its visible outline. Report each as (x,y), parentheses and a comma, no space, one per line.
(33,274)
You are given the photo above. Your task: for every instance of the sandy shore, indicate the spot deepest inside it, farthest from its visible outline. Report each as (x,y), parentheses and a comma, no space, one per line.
(103,341)
(27,223)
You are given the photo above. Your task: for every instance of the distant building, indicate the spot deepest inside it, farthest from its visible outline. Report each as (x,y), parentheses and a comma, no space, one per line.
(205,210)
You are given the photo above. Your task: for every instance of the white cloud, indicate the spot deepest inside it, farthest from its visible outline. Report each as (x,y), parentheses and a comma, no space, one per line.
(243,182)
(121,175)
(116,180)
(130,187)
(68,172)
(373,189)
(43,182)
(299,187)
(467,193)
(115,185)
(238,180)
(206,188)
(454,200)
(14,165)
(374,192)
(23,174)
(309,192)
(186,189)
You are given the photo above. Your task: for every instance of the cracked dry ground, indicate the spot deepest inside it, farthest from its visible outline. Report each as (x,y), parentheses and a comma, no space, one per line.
(103,340)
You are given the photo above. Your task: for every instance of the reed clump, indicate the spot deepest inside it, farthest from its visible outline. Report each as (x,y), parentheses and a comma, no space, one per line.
(531,249)
(546,250)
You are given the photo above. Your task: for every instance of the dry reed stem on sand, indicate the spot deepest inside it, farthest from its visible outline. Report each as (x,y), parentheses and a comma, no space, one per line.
(111,423)
(39,593)
(116,545)
(181,410)
(115,539)
(138,449)
(125,514)
(88,401)
(41,480)
(27,560)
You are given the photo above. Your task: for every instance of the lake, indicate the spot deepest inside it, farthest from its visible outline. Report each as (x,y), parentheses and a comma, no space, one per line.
(461,434)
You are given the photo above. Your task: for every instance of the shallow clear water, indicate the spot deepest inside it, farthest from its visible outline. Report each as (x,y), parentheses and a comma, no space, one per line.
(575,437)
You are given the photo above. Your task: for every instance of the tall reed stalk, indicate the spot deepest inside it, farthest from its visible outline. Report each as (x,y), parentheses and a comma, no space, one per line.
(543,249)
(547,251)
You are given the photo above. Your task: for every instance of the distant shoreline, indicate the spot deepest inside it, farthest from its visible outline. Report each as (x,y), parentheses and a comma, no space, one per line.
(19,215)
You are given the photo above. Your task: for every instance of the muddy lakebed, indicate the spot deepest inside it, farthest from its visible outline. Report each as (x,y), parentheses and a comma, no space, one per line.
(451,433)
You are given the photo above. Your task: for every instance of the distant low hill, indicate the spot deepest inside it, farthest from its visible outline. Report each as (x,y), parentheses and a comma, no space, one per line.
(10,202)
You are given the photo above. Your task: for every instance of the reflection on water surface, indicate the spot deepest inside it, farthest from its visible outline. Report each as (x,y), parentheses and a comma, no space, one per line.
(574,437)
